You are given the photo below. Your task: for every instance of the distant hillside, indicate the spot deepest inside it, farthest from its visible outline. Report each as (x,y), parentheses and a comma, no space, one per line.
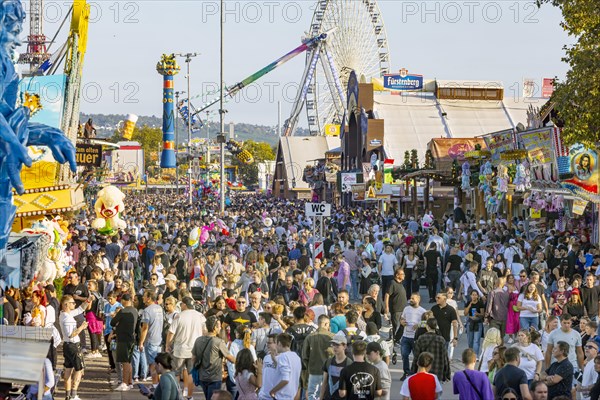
(106,124)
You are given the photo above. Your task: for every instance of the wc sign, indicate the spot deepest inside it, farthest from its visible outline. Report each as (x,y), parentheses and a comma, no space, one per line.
(317,209)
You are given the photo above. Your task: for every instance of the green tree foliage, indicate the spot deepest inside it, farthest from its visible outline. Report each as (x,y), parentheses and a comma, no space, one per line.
(261,151)
(577,98)
(151,141)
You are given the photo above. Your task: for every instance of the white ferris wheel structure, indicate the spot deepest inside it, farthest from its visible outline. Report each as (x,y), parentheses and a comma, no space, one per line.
(356,41)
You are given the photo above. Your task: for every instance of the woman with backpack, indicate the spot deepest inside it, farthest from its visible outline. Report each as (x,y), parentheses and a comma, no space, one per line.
(95,319)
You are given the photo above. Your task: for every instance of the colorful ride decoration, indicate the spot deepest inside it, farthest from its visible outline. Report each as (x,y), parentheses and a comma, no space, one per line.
(168,68)
(239,152)
(108,207)
(56,260)
(18,131)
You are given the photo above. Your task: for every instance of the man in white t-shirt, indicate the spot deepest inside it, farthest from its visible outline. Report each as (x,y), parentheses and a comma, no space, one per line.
(181,338)
(571,337)
(288,367)
(410,319)
(270,377)
(387,265)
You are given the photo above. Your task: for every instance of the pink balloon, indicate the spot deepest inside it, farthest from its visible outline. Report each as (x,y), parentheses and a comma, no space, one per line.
(204,235)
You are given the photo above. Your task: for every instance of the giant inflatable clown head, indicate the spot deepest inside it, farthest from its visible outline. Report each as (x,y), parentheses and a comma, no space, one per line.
(108,207)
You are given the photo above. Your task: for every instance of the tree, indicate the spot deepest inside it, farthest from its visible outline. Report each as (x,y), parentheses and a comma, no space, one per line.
(151,141)
(577,98)
(261,151)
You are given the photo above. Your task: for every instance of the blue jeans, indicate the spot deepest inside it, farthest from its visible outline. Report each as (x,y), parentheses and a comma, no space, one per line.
(151,352)
(139,364)
(314,386)
(209,387)
(526,322)
(406,347)
(354,282)
(474,337)
(231,387)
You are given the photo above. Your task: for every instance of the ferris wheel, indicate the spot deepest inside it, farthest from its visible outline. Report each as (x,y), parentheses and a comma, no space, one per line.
(357,41)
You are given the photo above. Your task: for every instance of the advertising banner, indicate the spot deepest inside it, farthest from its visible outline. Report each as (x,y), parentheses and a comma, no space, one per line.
(540,153)
(499,142)
(580,174)
(348,179)
(89,155)
(538,144)
(579,206)
(445,151)
(403,81)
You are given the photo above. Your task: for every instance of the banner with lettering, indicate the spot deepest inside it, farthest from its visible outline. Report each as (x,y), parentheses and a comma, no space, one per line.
(499,142)
(579,206)
(542,161)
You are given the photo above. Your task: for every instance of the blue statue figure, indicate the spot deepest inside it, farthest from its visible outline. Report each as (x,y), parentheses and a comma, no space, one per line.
(16,132)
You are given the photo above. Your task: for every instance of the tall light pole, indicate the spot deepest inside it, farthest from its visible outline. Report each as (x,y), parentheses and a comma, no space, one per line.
(177,140)
(188,60)
(222,119)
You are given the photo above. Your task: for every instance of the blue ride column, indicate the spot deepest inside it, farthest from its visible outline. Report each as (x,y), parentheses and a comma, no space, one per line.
(168,68)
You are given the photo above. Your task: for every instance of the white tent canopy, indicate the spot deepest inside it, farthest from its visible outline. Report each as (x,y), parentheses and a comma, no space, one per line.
(23,350)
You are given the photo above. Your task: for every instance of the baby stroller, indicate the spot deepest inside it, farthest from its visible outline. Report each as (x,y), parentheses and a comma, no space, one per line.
(198,292)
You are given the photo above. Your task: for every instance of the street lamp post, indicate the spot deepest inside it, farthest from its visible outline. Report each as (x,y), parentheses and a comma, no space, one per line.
(177,140)
(188,60)
(222,118)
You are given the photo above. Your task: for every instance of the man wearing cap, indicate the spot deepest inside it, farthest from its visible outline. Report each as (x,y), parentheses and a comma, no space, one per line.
(170,287)
(181,338)
(333,368)
(509,253)
(374,354)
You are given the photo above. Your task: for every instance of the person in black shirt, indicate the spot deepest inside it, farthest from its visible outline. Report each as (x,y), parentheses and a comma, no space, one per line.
(452,270)
(239,316)
(433,263)
(290,291)
(170,287)
(360,380)
(511,376)
(590,294)
(395,302)
(124,323)
(560,373)
(80,293)
(327,286)
(446,318)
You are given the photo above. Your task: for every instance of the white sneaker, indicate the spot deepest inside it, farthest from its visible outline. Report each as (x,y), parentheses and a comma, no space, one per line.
(123,387)
(76,397)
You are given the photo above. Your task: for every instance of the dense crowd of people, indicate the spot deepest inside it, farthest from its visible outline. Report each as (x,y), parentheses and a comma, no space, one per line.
(250,314)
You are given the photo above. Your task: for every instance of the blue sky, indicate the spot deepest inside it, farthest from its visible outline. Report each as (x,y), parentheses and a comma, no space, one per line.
(504,40)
